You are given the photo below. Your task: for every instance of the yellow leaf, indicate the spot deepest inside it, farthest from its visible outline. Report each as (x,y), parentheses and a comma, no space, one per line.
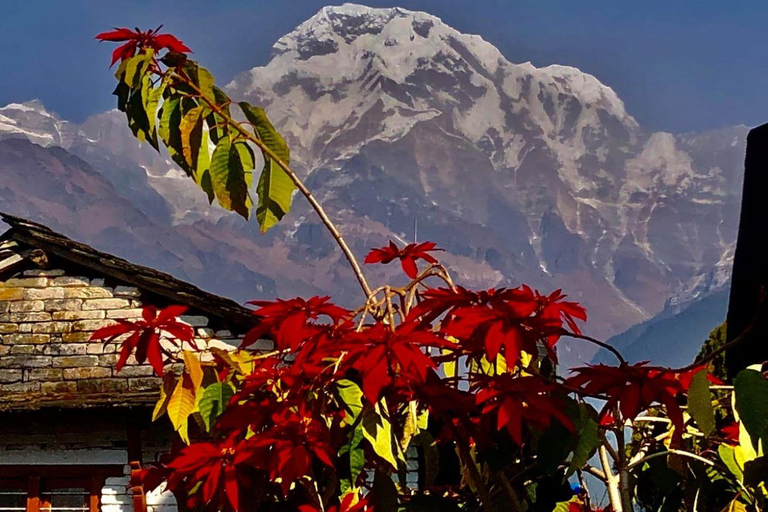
(194,369)
(165,395)
(181,406)
(377,430)
(411,425)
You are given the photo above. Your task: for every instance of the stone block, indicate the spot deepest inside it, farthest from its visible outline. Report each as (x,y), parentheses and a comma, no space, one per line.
(63,304)
(94,348)
(88,292)
(99,281)
(32,316)
(110,360)
(75,361)
(89,325)
(58,387)
(126,291)
(91,304)
(49,374)
(10,376)
(102,385)
(28,349)
(21,387)
(75,337)
(11,293)
(65,349)
(86,373)
(78,315)
(195,320)
(124,313)
(43,293)
(24,361)
(38,272)
(27,282)
(26,339)
(9,328)
(52,327)
(136,371)
(70,281)
(144,384)
(26,306)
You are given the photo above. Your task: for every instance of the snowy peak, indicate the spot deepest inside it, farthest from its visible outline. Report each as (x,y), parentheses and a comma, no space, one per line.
(379,73)
(31,120)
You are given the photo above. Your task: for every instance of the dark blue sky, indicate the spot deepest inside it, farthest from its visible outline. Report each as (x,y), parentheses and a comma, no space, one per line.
(678,65)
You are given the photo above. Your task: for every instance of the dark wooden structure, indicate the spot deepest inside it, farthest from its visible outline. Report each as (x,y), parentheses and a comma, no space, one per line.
(750,266)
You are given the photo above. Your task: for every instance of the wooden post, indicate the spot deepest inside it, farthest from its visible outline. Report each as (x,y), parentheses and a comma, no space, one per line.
(33,494)
(750,265)
(134,460)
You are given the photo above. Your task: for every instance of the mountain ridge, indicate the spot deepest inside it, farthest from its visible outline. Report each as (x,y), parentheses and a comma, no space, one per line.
(523,174)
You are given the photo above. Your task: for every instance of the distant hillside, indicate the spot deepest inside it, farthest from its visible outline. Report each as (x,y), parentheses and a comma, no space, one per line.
(671,339)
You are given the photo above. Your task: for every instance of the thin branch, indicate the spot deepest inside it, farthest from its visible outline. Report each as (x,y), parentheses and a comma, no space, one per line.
(668,452)
(294,178)
(597,342)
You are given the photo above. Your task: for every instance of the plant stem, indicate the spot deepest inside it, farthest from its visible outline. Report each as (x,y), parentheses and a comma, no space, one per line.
(327,222)
(471,465)
(611,480)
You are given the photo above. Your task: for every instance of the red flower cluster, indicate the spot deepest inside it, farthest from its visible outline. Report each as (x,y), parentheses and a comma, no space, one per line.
(290,322)
(515,400)
(145,335)
(506,321)
(634,388)
(408,256)
(137,40)
(387,357)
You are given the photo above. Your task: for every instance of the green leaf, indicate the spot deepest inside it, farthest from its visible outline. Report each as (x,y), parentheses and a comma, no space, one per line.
(213,401)
(217,125)
(351,397)
(191,131)
(377,430)
(231,172)
(700,403)
(356,454)
(131,71)
(275,187)
(588,441)
(731,461)
(751,390)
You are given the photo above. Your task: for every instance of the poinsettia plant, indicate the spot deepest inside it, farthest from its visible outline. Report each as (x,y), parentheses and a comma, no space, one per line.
(429,396)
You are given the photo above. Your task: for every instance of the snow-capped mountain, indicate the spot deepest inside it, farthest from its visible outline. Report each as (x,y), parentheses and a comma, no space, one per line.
(406,127)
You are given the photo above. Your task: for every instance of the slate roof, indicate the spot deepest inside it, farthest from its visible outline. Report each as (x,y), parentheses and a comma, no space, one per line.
(159,283)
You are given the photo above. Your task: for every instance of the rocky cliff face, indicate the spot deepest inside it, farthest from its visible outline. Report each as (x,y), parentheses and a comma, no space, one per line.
(408,128)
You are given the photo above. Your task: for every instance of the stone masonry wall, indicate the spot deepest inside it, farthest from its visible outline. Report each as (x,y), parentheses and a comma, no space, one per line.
(46,320)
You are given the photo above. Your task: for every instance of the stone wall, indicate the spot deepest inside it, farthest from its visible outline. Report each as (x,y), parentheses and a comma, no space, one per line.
(46,320)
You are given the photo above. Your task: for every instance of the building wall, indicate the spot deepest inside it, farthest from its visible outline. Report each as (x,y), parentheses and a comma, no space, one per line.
(46,320)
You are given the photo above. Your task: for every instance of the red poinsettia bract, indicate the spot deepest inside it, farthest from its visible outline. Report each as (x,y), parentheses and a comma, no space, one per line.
(407,255)
(145,335)
(137,39)
(351,502)
(386,357)
(288,321)
(519,400)
(634,388)
(506,321)
(215,465)
(287,449)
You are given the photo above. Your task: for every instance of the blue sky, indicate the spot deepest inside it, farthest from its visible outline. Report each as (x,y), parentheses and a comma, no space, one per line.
(679,65)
